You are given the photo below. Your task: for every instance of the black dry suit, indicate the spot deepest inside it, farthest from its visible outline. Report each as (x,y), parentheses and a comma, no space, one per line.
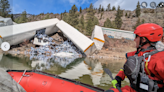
(134,70)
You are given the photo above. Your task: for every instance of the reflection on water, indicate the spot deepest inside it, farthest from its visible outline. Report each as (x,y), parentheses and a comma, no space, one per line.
(85,70)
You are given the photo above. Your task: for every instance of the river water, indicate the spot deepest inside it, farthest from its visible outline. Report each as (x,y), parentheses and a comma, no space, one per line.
(85,70)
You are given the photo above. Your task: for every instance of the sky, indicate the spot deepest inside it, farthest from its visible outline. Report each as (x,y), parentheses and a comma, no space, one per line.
(59,6)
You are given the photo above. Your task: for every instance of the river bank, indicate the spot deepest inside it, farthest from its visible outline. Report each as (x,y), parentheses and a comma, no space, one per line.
(112,49)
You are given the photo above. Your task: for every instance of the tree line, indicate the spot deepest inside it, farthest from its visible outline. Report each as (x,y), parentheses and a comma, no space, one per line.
(5,8)
(75,18)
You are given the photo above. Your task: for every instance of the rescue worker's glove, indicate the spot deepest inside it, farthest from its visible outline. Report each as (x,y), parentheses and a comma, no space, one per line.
(116,82)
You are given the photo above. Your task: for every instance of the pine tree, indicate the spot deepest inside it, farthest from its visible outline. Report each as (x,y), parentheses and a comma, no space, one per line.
(12,17)
(121,13)
(99,9)
(143,21)
(138,9)
(118,20)
(91,20)
(102,9)
(23,18)
(89,27)
(86,8)
(137,23)
(95,21)
(4,8)
(65,11)
(90,13)
(66,17)
(73,16)
(108,7)
(80,10)
(126,14)
(47,16)
(114,24)
(61,16)
(108,23)
(82,21)
(113,8)
(101,15)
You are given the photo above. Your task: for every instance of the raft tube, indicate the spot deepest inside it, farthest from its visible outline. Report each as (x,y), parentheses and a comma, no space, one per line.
(37,81)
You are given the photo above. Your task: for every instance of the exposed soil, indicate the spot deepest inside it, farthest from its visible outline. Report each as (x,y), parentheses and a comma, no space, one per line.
(114,49)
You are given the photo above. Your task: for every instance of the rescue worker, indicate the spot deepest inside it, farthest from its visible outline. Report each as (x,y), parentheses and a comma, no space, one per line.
(147,35)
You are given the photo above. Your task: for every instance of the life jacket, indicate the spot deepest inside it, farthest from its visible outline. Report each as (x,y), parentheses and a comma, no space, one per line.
(135,69)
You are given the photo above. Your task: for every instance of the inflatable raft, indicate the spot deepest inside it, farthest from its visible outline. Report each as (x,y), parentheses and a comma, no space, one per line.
(37,81)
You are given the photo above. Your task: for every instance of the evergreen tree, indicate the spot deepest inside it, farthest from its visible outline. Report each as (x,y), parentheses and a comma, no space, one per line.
(102,9)
(4,8)
(91,20)
(80,10)
(101,15)
(81,24)
(113,8)
(118,20)
(108,23)
(73,16)
(82,21)
(95,21)
(121,13)
(12,17)
(89,27)
(138,9)
(126,14)
(66,17)
(47,16)
(143,21)
(114,24)
(65,11)
(91,6)
(61,16)
(23,18)
(108,7)
(90,13)
(137,23)
(99,9)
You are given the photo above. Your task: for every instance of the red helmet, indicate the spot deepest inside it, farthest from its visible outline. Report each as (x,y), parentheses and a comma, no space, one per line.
(151,31)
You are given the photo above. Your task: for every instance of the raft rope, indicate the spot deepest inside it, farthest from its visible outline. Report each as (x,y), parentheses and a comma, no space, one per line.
(22,76)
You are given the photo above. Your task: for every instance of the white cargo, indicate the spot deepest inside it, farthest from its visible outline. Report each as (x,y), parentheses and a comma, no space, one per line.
(98,37)
(80,40)
(15,34)
(119,34)
(5,21)
(36,42)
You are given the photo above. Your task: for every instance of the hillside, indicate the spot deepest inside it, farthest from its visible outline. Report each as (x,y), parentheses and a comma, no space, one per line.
(129,21)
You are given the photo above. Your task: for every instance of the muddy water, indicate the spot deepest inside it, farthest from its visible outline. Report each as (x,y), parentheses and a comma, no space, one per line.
(85,70)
